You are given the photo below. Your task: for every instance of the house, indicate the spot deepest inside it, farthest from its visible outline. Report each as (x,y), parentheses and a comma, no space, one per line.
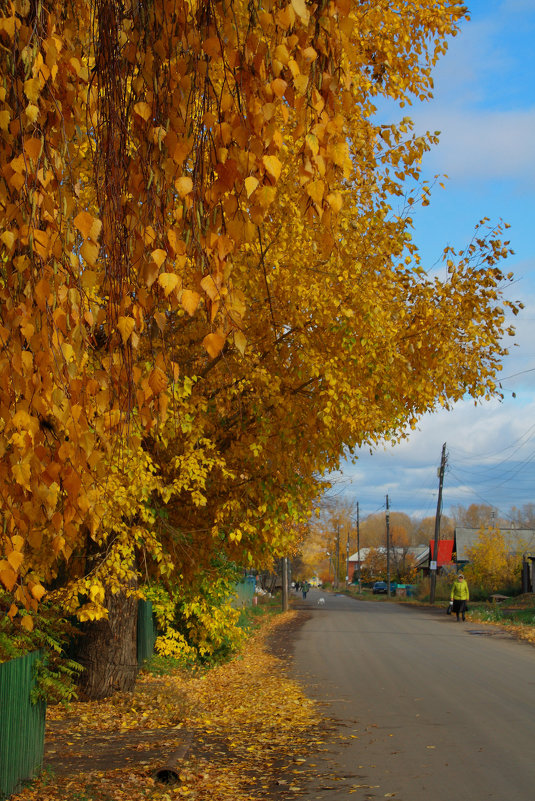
(445,559)
(420,554)
(518,540)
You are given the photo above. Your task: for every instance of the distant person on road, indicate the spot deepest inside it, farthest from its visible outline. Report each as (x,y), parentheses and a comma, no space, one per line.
(460,596)
(305,586)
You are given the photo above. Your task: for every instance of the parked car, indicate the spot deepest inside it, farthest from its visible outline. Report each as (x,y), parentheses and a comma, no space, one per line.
(380,588)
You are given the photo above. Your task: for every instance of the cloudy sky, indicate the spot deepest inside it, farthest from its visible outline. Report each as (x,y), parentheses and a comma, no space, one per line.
(484,107)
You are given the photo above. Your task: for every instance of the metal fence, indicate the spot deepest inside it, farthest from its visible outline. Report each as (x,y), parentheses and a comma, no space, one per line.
(22,724)
(146,631)
(244,590)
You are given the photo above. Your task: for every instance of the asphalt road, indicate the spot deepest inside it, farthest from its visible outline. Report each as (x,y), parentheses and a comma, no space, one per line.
(426,708)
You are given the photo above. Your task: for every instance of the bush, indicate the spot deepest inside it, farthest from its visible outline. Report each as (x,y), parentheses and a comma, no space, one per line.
(197,627)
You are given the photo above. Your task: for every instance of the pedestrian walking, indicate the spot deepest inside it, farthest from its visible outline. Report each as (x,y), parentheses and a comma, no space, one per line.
(460,596)
(305,586)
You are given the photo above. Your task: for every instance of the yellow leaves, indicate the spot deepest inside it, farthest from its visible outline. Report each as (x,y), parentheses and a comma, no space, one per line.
(301,84)
(312,143)
(22,473)
(335,201)
(97,593)
(143,110)
(157,381)
(126,326)
(340,156)
(214,343)
(158,256)
(212,47)
(89,252)
(8,576)
(309,54)
(184,185)
(15,559)
(300,8)
(5,118)
(190,301)
(89,226)
(212,286)
(251,184)
(8,238)
(33,147)
(32,88)
(240,341)
(273,166)
(37,591)
(315,190)
(279,86)
(265,196)
(91,611)
(32,112)
(282,54)
(169,282)
(9,25)
(27,622)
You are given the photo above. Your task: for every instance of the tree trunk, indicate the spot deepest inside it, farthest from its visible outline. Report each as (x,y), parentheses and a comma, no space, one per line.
(107,650)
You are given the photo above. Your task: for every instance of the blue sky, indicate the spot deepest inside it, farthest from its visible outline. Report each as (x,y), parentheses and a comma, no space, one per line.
(484,106)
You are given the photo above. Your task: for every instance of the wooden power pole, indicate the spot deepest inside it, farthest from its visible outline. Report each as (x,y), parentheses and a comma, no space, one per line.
(285,600)
(358,547)
(387,547)
(433,565)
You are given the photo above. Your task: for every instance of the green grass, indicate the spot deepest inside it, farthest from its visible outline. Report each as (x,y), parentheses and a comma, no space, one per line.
(496,614)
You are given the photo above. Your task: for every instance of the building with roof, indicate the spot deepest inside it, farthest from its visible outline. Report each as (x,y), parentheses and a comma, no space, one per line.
(518,540)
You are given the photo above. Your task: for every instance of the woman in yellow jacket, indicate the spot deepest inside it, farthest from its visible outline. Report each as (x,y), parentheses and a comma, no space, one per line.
(459,596)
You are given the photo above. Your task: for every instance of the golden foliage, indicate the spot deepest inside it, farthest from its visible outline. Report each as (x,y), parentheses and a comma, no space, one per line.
(197,223)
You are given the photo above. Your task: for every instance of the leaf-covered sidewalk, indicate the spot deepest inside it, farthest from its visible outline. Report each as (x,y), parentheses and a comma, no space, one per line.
(246,729)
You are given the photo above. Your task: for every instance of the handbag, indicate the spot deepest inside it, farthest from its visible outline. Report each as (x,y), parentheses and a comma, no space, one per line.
(449,610)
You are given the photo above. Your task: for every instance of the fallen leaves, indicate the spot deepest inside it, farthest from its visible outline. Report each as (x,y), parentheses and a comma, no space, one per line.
(251,724)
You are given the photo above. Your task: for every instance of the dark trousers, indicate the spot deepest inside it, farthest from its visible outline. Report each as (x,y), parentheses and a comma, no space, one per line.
(459,607)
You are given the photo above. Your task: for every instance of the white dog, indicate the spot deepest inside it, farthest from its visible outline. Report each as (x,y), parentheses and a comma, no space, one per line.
(321,601)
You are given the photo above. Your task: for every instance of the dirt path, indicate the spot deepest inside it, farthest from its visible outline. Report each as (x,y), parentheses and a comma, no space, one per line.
(73,753)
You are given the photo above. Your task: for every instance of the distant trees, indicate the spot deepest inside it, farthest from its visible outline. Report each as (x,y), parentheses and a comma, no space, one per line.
(425,528)
(481,514)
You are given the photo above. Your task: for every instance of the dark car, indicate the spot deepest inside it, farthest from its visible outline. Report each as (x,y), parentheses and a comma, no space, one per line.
(380,588)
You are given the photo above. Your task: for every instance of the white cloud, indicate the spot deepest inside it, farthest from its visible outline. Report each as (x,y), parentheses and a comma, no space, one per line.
(485,107)
(482,145)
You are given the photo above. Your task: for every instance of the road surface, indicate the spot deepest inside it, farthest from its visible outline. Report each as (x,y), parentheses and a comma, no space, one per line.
(428,709)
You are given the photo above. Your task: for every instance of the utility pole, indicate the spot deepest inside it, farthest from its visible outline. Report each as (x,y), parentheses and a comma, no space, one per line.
(434,563)
(347,559)
(285,604)
(337,560)
(387,547)
(358,547)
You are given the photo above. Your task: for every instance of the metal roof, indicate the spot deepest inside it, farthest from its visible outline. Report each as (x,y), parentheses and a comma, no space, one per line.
(519,540)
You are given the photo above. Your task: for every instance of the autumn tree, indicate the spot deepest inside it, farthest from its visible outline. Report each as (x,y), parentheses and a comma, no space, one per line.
(492,566)
(200,212)
(425,529)
(330,539)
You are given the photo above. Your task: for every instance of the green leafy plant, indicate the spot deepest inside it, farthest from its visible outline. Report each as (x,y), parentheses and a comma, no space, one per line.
(50,633)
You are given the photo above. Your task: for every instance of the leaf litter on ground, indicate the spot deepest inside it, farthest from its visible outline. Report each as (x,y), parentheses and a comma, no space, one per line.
(252,728)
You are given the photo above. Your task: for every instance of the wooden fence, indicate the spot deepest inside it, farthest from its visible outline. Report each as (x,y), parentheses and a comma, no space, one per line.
(146,632)
(22,724)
